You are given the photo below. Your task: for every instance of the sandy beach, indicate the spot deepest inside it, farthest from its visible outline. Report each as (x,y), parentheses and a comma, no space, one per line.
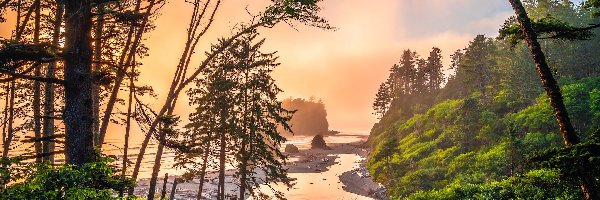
(338,173)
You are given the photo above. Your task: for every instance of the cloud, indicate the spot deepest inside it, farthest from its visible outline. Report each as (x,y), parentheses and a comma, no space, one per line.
(420,18)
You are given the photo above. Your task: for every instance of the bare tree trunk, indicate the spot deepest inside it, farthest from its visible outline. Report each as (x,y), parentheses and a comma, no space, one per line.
(174,188)
(222,140)
(128,125)
(5,118)
(97,66)
(11,105)
(78,114)
(243,169)
(552,89)
(48,146)
(37,124)
(221,193)
(203,171)
(163,193)
(243,153)
(156,168)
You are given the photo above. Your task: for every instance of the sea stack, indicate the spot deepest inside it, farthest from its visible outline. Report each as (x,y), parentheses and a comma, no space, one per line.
(290,148)
(319,143)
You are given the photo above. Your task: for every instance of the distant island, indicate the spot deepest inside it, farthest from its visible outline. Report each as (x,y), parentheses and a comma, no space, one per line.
(310,118)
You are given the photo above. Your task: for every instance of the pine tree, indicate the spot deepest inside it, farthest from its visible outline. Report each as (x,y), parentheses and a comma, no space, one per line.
(435,76)
(405,76)
(382,99)
(421,77)
(261,114)
(237,116)
(476,64)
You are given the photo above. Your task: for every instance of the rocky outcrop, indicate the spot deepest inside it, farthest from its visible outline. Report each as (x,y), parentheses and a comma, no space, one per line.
(290,148)
(319,143)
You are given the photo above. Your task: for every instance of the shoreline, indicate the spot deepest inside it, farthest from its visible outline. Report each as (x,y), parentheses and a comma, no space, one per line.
(355,180)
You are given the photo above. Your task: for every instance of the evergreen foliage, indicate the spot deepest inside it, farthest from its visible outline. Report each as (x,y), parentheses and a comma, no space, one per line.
(489,132)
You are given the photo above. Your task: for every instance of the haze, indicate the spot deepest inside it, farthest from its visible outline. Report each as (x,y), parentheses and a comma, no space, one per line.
(343,67)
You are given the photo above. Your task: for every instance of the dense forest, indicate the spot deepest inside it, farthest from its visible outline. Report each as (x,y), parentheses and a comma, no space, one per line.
(309,119)
(488,130)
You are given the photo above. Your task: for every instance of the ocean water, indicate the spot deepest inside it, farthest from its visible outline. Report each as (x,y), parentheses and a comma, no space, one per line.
(114,146)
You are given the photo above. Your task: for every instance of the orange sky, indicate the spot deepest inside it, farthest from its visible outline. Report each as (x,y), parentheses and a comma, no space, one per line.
(345,67)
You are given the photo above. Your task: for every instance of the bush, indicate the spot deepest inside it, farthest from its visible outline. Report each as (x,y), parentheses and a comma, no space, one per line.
(89,181)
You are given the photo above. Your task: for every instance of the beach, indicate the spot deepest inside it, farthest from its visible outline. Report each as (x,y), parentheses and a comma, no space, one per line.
(338,173)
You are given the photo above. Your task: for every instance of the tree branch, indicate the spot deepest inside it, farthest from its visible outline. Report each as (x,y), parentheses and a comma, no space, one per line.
(28,77)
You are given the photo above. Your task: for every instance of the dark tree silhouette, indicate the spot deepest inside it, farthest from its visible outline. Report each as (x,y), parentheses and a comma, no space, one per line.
(79,122)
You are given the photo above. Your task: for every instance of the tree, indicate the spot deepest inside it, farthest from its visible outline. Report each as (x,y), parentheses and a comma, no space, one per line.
(420,80)
(261,115)
(79,122)
(552,90)
(305,12)
(435,76)
(382,100)
(403,78)
(476,64)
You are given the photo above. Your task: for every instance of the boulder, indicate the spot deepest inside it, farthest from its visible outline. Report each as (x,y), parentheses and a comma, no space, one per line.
(319,143)
(290,148)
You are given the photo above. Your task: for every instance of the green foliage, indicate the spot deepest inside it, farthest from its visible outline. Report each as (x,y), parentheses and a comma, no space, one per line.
(90,181)
(303,11)
(581,160)
(593,5)
(471,148)
(237,117)
(472,138)
(535,184)
(545,28)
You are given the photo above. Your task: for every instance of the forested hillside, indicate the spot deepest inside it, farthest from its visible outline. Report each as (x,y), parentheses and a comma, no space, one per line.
(489,132)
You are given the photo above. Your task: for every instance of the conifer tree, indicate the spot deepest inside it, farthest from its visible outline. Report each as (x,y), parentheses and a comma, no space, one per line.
(435,76)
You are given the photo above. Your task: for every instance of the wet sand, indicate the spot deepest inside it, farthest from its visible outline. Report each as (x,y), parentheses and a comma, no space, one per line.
(320,174)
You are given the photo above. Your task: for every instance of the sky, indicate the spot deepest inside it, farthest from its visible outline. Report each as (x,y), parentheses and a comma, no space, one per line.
(344,67)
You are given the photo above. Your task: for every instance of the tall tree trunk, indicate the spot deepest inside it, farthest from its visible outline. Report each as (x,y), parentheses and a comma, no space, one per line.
(163,193)
(48,146)
(243,169)
(5,118)
(78,114)
(156,168)
(37,124)
(128,123)
(11,114)
(128,126)
(243,153)
(221,186)
(203,170)
(97,66)
(222,154)
(552,90)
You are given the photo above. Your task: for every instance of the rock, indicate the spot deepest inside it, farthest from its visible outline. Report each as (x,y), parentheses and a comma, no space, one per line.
(319,143)
(290,148)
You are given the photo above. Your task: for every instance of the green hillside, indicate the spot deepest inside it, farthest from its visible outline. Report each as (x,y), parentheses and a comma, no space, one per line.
(489,131)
